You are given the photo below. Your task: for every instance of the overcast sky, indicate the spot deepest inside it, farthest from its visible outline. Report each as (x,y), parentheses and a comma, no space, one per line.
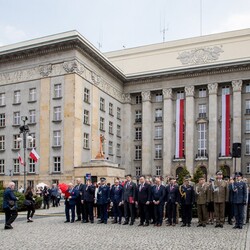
(116,24)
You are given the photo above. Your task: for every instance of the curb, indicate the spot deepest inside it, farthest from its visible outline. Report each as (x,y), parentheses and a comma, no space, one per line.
(247,246)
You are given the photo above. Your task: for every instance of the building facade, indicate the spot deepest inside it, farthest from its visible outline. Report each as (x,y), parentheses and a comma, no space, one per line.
(160,107)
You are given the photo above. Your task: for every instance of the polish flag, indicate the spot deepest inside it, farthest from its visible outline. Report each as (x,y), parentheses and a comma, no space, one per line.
(179,145)
(34,155)
(225,126)
(20,159)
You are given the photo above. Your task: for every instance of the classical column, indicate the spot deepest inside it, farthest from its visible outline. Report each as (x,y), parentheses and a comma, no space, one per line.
(167,131)
(127,146)
(190,128)
(147,145)
(237,86)
(213,128)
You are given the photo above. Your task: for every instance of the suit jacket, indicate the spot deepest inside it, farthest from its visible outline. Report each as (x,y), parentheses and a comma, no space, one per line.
(103,195)
(239,190)
(79,189)
(88,193)
(220,191)
(172,194)
(8,195)
(73,194)
(129,191)
(187,195)
(143,193)
(158,193)
(201,194)
(116,193)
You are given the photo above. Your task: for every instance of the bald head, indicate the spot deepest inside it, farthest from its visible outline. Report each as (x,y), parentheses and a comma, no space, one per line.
(11,185)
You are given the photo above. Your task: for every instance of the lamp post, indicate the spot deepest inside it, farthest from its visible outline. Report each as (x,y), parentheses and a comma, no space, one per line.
(24,130)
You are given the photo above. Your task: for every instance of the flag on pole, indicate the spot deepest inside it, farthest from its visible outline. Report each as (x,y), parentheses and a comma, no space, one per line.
(20,159)
(34,155)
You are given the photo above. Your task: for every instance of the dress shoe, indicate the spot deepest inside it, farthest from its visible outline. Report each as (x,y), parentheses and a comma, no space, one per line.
(146,225)
(84,221)
(105,222)
(72,221)
(158,225)
(8,227)
(114,222)
(78,220)
(131,223)
(221,225)
(155,225)
(199,225)
(91,221)
(240,227)
(189,225)
(141,224)
(125,223)
(217,225)
(168,225)
(183,225)
(230,223)
(204,225)
(100,222)
(173,224)
(235,227)
(66,221)
(120,222)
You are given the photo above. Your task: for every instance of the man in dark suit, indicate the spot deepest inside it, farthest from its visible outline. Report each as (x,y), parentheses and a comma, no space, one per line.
(143,200)
(87,199)
(128,199)
(9,205)
(70,203)
(158,197)
(78,189)
(172,199)
(116,201)
(103,198)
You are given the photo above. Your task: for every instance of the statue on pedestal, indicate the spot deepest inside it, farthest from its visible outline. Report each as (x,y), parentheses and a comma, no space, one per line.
(100,154)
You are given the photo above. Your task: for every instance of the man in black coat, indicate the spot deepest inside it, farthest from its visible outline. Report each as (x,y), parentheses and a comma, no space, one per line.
(78,189)
(128,199)
(143,200)
(158,197)
(172,199)
(87,199)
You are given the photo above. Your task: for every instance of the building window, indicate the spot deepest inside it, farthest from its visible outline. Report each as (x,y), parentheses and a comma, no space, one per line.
(158,151)
(16,166)
(247,126)
(86,140)
(247,146)
(17,97)
(158,115)
(111,127)
(86,117)
(102,104)
(57,138)
(138,116)
(247,106)
(57,113)
(16,143)
(110,148)
(32,116)
(58,90)
(16,118)
(1,166)
(158,97)
(138,152)
(2,120)
(118,132)
(138,171)
(31,183)
(225,90)
(111,108)
(2,99)
(57,164)
(248,88)
(158,171)
(202,140)
(118,113)
(118,149)
(202,93)
(248,168)
(138,133)
(102,121)
(32,95)
(2,142)
(180,94)
(138,99)
(202,110)
(32,166)
(158,132)
(86,95)
(32,143)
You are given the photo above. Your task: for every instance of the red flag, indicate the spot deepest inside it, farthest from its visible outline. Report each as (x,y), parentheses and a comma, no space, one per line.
(34,155)
(20,159)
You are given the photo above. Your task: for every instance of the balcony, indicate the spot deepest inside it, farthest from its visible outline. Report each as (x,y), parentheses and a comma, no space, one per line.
(248,111)
(202,115)
(158,119)
(138,120)
(203,155)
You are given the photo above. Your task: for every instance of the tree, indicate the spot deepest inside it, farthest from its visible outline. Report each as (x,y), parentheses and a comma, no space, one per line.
(184,172)
(197,175)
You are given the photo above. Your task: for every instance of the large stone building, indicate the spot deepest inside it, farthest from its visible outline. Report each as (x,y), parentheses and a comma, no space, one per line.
(160,107)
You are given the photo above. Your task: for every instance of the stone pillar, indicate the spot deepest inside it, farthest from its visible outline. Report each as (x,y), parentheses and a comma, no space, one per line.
(127,146)
(213,128)
(147,145)
(190,128)
(237,86)
(167,131)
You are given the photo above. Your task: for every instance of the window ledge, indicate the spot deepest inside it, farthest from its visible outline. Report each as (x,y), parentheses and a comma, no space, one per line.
(15,149)
(2,150)
(87,124)
(137,159)
(111,115)
(16,125)
(2,127)
(111,133)
(57,121)
(102,130)
(32,101)
(86,148)
(56,147)
(16,103)
(225,157)
(57,98)
(32,173)
(2,106)
(86,102)
(179,160)
(160,138)
(31,123)
(16,173)
(56,172)
(201,159)
(156,159)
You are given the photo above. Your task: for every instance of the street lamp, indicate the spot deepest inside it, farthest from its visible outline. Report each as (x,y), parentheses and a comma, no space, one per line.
(25,131)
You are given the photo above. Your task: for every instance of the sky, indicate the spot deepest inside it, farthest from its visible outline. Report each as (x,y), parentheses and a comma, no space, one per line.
(117,24)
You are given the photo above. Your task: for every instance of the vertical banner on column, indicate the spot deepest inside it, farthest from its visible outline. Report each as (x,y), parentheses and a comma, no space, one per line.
(179,141)
(225,126)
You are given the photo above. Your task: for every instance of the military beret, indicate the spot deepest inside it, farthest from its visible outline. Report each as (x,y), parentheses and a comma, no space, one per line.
(102,179)
(238,174)
(219,172)
(211,179)
(128,175)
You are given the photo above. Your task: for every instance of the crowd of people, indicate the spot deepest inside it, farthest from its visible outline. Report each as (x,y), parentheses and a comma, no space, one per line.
(150,201)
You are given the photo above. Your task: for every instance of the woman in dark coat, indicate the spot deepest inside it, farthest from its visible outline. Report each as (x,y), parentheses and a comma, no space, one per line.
(30,203)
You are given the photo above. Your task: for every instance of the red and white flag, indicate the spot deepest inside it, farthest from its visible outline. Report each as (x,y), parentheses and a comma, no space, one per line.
(20,159)
(179,145)
(34,155)
(225,126)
